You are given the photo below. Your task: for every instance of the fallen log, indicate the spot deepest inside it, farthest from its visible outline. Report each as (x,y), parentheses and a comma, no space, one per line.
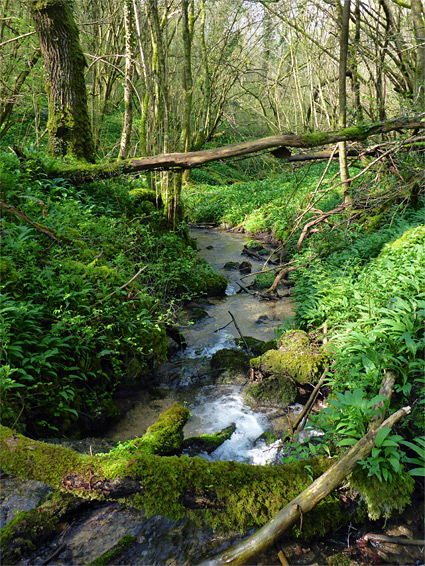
(227,495)
(315,139)
(305,502)
(78,173)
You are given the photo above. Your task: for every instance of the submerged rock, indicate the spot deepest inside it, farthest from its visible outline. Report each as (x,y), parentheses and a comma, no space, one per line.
(245,267)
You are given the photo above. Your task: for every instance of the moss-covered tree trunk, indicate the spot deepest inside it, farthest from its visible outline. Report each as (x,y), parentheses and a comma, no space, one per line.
(69,123)
(128,87)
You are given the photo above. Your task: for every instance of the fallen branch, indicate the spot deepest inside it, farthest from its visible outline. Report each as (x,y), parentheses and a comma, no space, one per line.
(197,158)
(305,502)
(307,407)
(43,229)
(316,221)
(394,540)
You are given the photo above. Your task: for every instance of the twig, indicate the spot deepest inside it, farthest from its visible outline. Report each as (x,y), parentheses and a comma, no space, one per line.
(394,540)
(307,407)
(240,333)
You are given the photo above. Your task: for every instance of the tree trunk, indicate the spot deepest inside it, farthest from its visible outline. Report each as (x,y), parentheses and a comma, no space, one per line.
(69,123)
(128,88)
(343,54)
(419,27)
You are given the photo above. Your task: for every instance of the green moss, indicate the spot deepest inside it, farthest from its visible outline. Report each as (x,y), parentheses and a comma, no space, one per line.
(142,194)
(7,271)
(29,529)
(297,356)
(314,138)
(256,346)
(231,364)
(373,222)
(198,314)
(272,391)
(207,442)
(231,265)
(111,556)
(255,246)
(268,437)
(358,133)
(164,437)
(264,280)
(383,499)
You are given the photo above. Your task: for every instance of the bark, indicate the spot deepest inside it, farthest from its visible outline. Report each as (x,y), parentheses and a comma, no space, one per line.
(305,502)
(128,88)
(343,55)
(417,9)
(69,123)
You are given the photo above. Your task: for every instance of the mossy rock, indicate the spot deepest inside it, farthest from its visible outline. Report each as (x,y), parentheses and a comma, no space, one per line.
(207,442)
(231,265)
(268,437)
(198,314)
(297,356)
(256,346)
(263,280)
(143,195)
(232,365)
(255,247)
(273,391)
(215,285)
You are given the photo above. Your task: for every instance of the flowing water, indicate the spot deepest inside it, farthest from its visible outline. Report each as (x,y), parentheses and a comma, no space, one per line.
(214,407)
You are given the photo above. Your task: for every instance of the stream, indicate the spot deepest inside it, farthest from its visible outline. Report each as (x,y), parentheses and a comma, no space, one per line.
(216,406)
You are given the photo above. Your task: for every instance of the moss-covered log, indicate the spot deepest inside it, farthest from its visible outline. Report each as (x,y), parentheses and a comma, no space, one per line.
(80,173)
(315,139)
(227,495)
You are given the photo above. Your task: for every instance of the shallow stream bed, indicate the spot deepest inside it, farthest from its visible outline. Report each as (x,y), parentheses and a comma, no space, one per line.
(216,406)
